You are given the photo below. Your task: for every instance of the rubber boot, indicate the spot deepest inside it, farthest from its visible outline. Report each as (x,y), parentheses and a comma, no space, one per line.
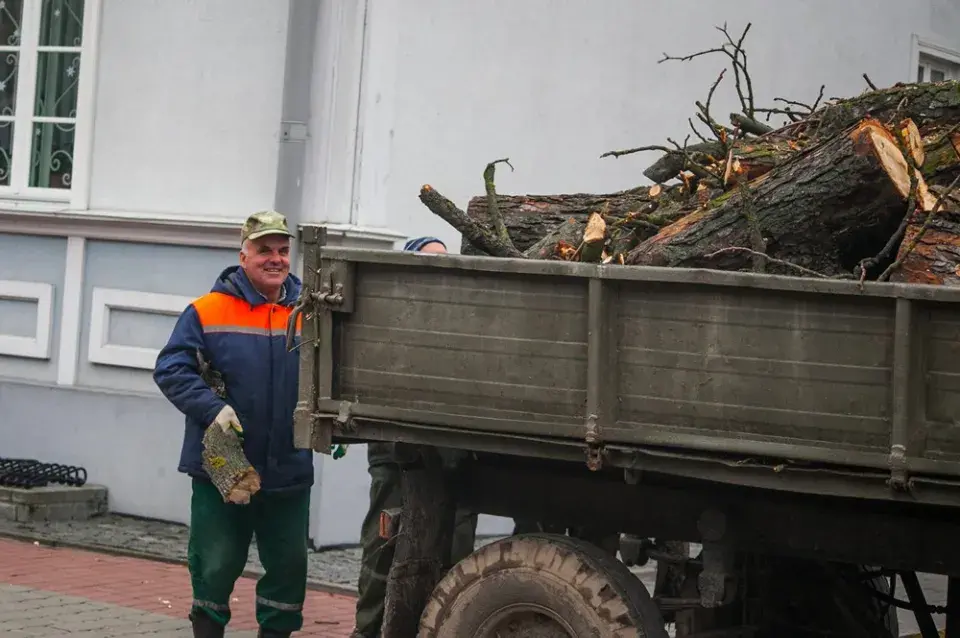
(205,627)
(267,633)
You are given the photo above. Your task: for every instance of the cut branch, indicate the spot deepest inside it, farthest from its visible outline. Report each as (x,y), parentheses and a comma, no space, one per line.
(767,258)
(488,183)
(473,232)
(749,125)
(740,72)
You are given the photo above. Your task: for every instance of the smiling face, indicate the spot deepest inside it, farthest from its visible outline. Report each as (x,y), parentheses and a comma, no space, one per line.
(266,261)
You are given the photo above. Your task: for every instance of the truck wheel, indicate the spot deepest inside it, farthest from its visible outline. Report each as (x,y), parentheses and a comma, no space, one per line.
(540,586)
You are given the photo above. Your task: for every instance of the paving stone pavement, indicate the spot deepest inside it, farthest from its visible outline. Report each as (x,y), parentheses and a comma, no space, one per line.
(340,567)
(168,541)
(46,592)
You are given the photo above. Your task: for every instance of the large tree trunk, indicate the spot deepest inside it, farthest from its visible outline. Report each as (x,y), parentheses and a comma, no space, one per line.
(825,209)
(929,105)
(933,107)
(530,218)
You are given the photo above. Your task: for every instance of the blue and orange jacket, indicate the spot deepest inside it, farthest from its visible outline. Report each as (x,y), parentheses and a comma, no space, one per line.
(242,336)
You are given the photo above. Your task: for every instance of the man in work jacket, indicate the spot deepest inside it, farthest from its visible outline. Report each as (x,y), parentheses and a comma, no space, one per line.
(377,553)
(239,328)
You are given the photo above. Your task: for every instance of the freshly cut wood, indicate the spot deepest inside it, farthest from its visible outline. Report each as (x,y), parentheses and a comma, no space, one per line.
(930,250)
(824,209)
(594,236)
(559,243)
(529,218)
(910,135)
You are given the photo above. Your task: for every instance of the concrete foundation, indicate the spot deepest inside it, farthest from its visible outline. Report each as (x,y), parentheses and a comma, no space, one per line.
(52,503)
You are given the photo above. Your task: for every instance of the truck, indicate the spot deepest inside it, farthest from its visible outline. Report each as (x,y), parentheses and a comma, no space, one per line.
(783,448)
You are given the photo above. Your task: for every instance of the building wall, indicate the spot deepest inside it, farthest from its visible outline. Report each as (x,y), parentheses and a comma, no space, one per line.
(197,112)
(553,85)
(188,106)
(195,116)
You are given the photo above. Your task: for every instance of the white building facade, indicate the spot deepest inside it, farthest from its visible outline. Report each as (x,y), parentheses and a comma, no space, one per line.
(136,135)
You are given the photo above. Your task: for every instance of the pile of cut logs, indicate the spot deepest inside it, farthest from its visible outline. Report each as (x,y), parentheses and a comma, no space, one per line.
(861,188)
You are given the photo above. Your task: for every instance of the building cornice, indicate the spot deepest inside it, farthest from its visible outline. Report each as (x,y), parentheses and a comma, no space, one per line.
(210,232)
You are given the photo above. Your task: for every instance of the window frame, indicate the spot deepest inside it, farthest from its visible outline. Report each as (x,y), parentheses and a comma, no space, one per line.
(19,194)
(940,55)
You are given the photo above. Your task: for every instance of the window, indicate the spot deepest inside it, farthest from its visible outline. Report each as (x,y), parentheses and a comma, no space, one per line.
(933,69)
(40,54)
(933,59)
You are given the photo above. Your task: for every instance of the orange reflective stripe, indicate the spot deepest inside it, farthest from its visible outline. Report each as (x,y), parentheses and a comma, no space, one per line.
(219,312)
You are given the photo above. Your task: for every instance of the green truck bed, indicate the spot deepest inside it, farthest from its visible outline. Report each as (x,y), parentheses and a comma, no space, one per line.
(765,379)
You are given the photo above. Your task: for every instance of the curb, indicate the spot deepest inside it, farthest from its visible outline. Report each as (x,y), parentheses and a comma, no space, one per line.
(312,585)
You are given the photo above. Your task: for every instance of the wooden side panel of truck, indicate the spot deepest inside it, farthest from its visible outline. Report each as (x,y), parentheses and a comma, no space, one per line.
(810,372)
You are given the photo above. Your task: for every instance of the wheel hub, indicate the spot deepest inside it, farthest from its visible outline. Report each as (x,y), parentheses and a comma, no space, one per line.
(525,620)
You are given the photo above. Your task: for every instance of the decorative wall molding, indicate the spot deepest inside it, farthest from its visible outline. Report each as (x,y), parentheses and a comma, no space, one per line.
(103,301)
(141,227)
(37,346)
(150,228)
(71,305)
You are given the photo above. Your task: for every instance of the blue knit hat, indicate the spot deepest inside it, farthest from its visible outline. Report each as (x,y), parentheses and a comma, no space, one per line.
(416,244)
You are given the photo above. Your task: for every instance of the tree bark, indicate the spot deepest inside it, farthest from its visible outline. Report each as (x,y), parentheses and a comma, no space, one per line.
(929,105)
(824,209)
(425,538)
(530,218)
(941,162)
(930,250)
(559,243)
(670,164)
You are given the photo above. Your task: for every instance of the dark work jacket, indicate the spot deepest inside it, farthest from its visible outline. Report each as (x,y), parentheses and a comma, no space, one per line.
(242,336)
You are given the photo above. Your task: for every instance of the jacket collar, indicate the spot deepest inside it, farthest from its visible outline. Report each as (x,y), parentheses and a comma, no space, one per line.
(234,281)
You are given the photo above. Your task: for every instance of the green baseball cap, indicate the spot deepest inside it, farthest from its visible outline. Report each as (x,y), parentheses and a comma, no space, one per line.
(265,222)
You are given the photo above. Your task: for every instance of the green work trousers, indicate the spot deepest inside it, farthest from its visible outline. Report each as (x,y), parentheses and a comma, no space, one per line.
(377,553)
(220,535)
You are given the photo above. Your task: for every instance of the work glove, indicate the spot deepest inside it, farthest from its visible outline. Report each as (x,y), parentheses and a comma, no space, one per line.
(227,420)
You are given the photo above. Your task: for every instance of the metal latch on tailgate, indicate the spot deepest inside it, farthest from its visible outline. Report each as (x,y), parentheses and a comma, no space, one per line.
(594,443)
(330,297)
